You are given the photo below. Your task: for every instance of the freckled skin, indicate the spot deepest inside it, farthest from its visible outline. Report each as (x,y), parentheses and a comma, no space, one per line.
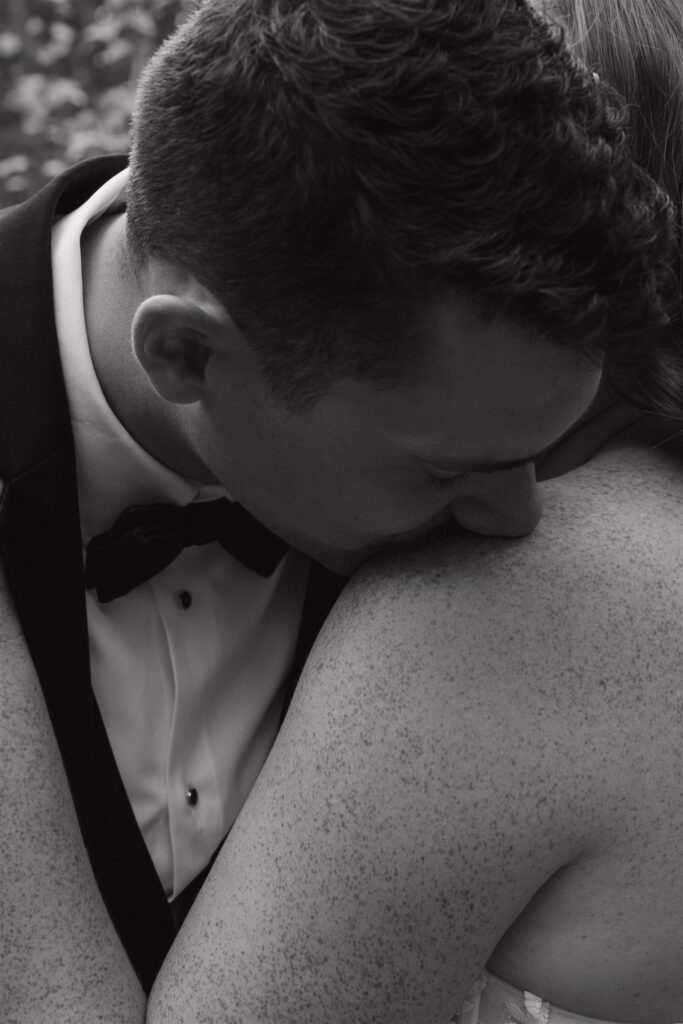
(60,959)
(482,764)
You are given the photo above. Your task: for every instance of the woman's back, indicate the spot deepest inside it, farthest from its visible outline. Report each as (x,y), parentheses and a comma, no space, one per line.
(602,937)
(579,637)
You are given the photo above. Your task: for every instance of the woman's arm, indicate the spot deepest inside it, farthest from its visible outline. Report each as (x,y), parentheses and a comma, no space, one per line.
(60,959)
(402,822)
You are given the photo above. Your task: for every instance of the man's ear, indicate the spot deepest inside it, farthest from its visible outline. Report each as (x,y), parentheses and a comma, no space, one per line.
(174,337)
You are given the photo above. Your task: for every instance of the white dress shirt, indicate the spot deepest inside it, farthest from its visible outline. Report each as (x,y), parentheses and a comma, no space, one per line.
(188,668)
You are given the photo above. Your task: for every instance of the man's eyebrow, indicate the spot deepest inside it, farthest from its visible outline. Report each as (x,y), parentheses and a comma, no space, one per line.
(487,465)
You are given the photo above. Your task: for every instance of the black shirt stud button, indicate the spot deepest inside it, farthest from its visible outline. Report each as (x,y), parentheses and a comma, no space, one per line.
(184,599)
(192,796)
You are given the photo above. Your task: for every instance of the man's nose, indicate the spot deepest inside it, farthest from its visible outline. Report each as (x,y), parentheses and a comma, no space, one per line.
(504,504)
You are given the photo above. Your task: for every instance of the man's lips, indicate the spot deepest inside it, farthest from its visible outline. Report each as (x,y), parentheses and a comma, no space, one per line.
(441,528)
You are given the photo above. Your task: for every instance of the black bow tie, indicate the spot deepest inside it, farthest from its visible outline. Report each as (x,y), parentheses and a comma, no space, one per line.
(146,538)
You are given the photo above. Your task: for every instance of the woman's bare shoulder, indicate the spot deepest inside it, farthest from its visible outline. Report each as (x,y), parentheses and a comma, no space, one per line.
(610,544)
(551,644)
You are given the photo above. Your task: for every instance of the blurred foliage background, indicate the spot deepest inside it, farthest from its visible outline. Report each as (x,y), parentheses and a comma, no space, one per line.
(67,77)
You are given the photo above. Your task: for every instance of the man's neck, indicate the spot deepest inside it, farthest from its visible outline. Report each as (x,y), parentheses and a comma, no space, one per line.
(111,296)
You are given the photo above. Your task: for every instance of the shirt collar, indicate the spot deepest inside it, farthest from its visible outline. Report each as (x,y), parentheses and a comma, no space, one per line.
(113,470)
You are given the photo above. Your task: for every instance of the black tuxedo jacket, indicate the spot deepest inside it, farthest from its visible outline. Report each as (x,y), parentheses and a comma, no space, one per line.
(40,549)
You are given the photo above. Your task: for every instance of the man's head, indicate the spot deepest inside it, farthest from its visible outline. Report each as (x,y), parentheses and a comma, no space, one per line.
(363,468)
(342,181)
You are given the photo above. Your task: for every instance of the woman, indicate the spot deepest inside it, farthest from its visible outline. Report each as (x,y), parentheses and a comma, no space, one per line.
(637,46)
(475,809)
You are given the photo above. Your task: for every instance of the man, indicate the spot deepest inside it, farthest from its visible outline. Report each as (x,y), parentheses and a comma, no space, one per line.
(361,273)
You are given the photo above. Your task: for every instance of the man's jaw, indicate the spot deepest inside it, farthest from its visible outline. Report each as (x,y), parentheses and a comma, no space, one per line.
(345,562)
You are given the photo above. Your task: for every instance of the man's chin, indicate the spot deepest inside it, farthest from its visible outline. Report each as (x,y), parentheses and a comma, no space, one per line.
(346,562)
(342,563)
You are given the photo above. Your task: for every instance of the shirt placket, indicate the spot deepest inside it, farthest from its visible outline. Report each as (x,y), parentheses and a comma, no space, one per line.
(196,824)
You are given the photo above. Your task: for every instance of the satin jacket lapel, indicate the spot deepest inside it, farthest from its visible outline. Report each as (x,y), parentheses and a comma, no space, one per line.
(324,587)
(40,547)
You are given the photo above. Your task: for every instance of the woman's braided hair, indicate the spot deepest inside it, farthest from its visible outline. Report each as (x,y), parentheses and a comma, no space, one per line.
(637,46)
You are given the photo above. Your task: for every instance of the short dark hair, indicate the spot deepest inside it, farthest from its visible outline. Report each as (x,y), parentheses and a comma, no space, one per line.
(637,46)
(327,168)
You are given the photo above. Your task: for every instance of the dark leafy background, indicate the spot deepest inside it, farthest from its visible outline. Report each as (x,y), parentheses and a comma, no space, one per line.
(67,77)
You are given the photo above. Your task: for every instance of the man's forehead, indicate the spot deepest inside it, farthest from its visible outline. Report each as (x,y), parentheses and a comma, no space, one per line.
(489,400)
(513,428)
